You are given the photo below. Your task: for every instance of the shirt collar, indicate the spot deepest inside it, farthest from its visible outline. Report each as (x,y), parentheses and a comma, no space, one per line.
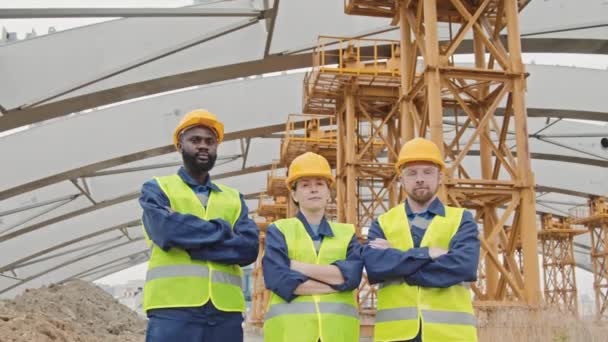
(190,181)
(436,208)
(324,227)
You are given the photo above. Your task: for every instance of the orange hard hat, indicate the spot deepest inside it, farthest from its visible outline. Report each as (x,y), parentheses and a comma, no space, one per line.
(419,149)
(199,117)
(308,164)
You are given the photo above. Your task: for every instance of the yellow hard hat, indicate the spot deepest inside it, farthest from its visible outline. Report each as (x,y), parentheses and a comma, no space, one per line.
(419,149)
(308,164)
(199,117)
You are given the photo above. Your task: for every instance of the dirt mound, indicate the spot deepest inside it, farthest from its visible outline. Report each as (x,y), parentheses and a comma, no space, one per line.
(74,311)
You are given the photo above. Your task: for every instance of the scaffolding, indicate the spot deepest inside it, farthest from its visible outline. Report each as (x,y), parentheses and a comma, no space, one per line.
(434,87)
(303,133)
(319,136)
(272,205)
(361,92)
(275,181)
(596,221)
(557,242)
(272,208)
(371,8)
(367,64)
(259,295)
(381,94)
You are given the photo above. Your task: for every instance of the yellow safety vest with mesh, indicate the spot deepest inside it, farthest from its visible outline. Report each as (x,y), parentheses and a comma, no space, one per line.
(173,279)
(446,313)
(329,317)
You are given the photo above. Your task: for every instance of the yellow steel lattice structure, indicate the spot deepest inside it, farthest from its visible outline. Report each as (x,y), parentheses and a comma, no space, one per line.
(596,221)
(557,242)
(382,93)
(361,62)
(276,186)
(371,8)
(362,92)
(259,295)
(433,88)
(272,208)
(312,138)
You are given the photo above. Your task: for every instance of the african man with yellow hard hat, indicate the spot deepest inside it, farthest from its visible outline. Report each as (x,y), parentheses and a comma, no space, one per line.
(423,254)
(311,265)
(200,234)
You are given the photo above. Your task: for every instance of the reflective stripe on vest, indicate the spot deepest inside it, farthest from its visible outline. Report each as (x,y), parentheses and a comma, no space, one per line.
(226,278)
(448,317)
(392,282)
(301,308)
(329,317)
(173,278)
(200,271)
(172,271)
(397,314)
(430,316)
(448,313)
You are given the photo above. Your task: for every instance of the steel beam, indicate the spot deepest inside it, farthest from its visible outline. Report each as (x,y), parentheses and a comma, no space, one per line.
(90,169)
(114,201)
(69,251)
(109,268)
(66,263)
(83,191)
(150,12)
(17,263)
(270,24)
(273,63)
(88,255)
(152,167)
(208,36)
(39,204)
(37,215)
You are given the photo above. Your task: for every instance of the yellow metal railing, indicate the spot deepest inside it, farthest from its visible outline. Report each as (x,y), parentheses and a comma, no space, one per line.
(353,55)
(276,179)
(579,212)
(277,170)
(266,200)
(366,58)
(375,8)
(598,205)
(312,131)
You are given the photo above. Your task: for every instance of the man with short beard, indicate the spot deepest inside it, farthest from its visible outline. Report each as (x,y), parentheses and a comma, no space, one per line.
(200,234)
(423,254)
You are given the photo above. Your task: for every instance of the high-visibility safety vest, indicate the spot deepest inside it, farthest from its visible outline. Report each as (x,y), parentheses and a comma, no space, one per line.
(173,279)
(446,314)
(329,317)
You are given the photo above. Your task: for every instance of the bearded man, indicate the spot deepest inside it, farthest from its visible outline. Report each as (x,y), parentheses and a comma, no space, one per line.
(200,234)
(423,254)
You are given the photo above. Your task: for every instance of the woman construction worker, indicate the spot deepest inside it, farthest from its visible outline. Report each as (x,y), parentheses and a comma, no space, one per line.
(312,266)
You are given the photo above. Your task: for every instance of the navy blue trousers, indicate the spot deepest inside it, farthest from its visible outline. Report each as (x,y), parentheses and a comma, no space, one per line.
(203,324)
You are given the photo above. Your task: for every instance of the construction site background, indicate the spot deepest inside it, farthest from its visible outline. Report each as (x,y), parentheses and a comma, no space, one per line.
(79,311)
(75,311)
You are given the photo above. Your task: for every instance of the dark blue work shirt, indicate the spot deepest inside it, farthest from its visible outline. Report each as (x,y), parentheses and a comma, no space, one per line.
(212,240)
(415,265)
(282,280)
